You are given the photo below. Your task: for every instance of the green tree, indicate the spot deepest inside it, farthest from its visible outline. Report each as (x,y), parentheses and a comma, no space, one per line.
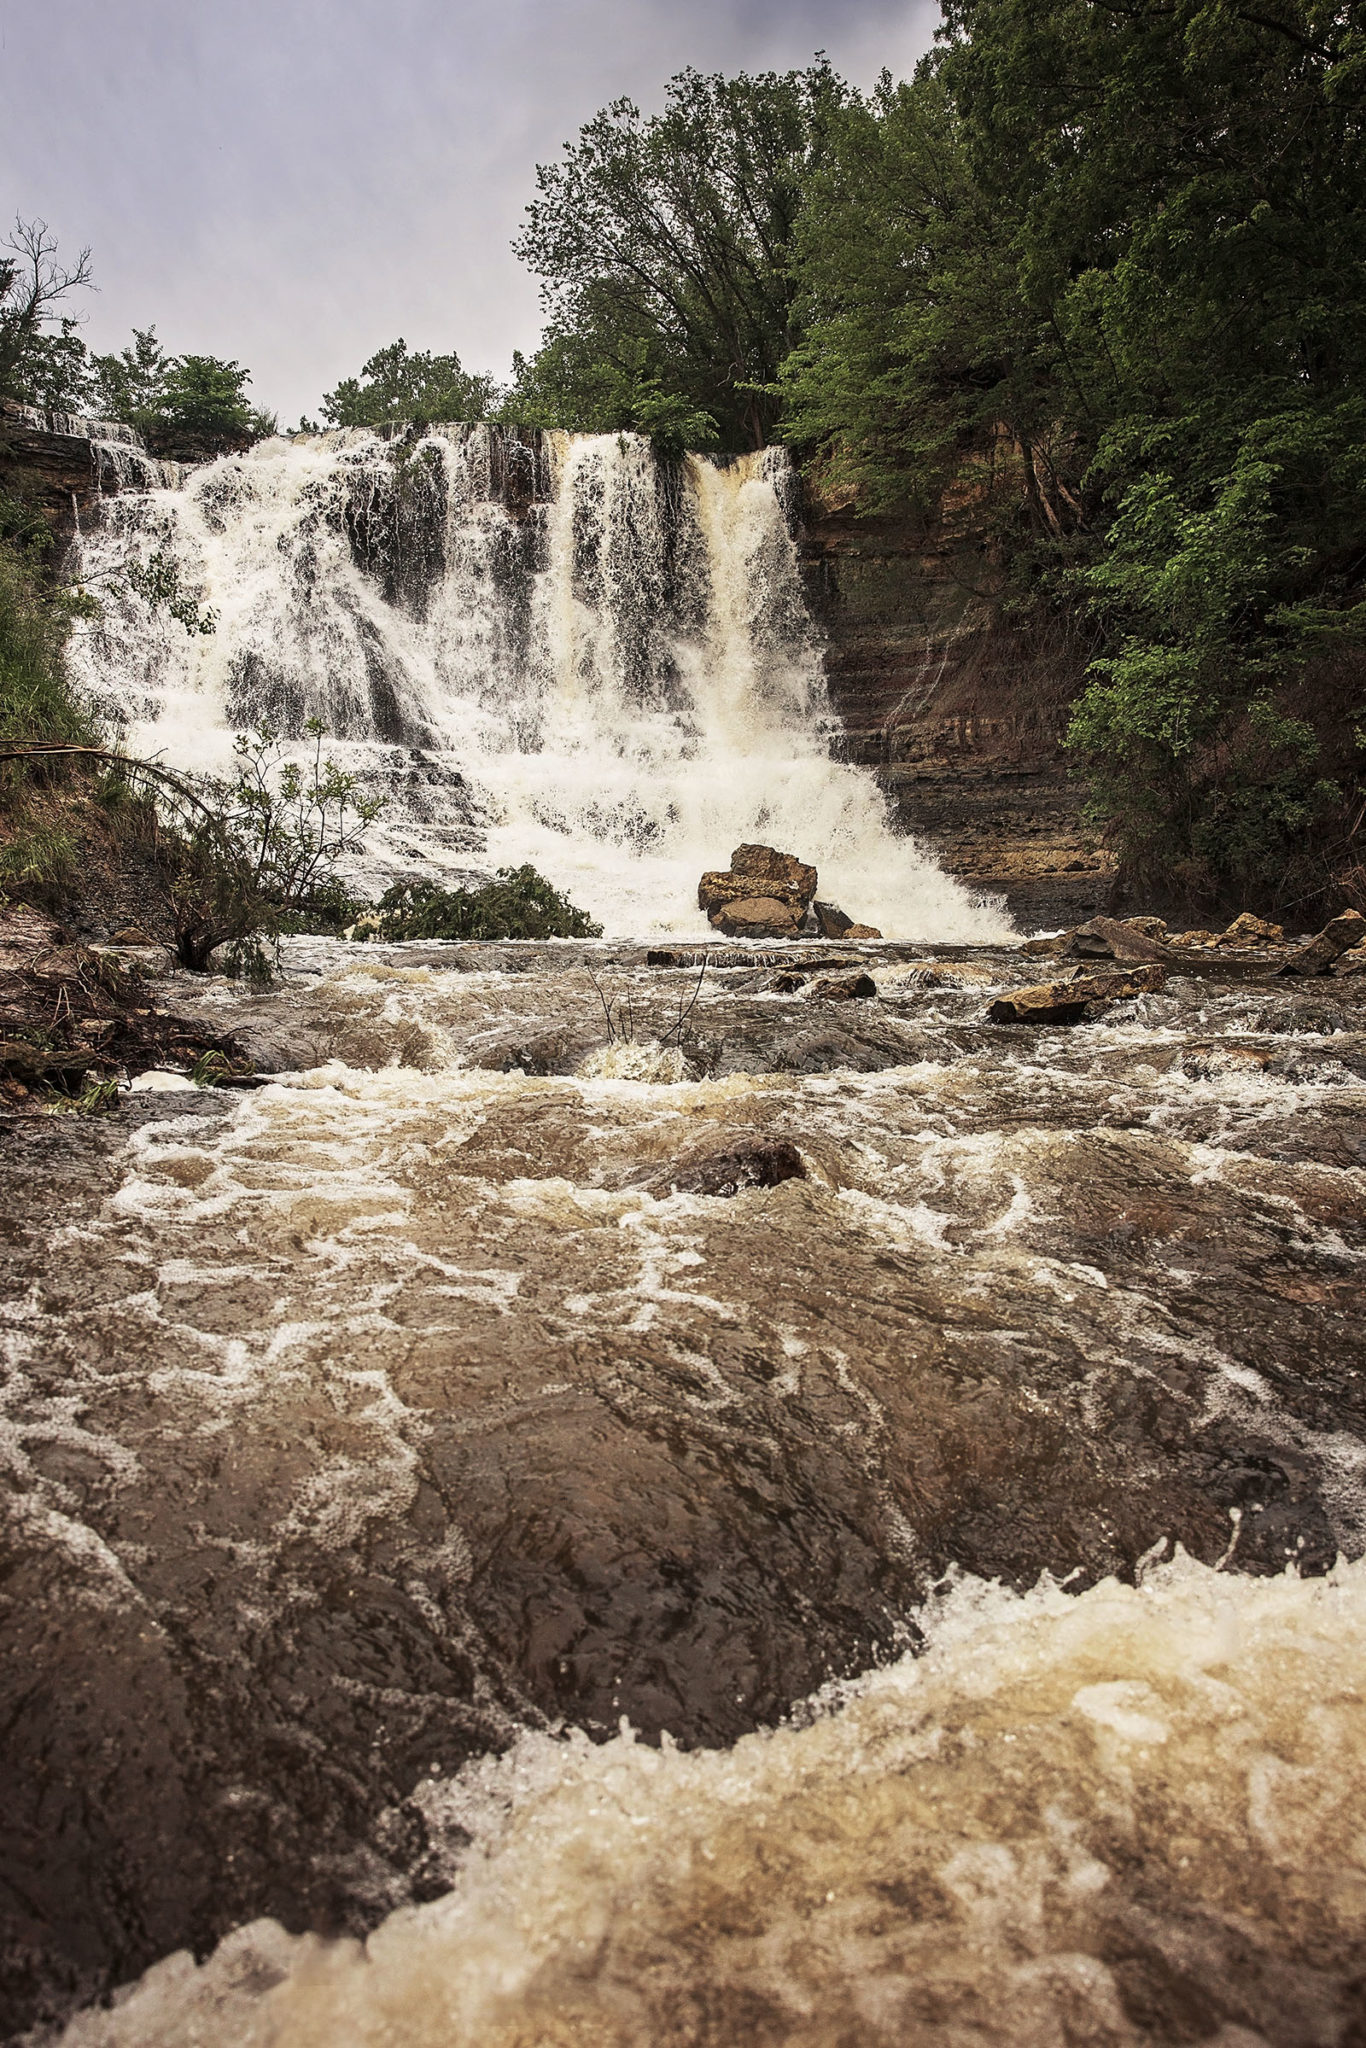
(664,247)
(38,367)
(399,388)
(131,383)
(178,400)
(1093,284)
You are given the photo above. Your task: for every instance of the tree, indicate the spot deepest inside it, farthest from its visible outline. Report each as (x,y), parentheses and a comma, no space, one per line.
(399,388)
(1092,284)
(664,245)
(130,384)
(193,400)
(32,284)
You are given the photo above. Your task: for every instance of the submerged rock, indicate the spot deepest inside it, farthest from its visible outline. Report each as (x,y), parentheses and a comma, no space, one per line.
(842,988)
(761,1164)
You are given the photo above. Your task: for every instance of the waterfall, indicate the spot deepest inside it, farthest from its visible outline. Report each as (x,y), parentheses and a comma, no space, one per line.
(541,647)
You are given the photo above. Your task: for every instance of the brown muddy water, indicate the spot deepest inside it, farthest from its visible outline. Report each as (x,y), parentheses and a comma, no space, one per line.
(823,1522)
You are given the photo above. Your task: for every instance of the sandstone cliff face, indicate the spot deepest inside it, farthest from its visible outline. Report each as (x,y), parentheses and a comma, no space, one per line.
(64,466)
(961,718)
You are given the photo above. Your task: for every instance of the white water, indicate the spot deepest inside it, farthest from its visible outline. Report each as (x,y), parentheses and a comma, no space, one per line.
(552,651)
(1112,1819)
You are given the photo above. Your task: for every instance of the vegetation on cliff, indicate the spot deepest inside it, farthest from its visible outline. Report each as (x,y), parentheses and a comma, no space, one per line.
(192,405)
(400,387)
(1094,280)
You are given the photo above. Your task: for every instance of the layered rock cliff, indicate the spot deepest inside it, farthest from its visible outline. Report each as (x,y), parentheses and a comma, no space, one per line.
(63,465)
(962,718)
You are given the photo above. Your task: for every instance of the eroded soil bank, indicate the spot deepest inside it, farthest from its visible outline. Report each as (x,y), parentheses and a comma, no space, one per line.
(468,1380)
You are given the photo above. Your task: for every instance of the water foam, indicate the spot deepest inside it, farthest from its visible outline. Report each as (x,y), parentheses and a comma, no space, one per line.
(1133,1815)
(612,675)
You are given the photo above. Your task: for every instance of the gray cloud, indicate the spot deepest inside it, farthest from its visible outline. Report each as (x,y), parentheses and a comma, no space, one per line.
(294,182)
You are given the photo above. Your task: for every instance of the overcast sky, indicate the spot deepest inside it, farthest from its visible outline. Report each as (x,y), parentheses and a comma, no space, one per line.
(294,183)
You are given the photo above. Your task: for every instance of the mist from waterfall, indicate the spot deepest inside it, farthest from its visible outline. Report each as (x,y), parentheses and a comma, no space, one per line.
(544,648)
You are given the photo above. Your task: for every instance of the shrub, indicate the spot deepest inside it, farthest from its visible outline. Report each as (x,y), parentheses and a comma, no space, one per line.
(519,904)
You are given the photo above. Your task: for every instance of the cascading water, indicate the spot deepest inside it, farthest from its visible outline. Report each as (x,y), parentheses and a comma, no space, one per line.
(550,648)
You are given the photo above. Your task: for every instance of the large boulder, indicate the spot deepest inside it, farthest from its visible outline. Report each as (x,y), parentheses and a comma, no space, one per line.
(1110,938)
(1068,1002)
(758,917)
(766,864)
(716,889)
(1337,937)
(1247,930)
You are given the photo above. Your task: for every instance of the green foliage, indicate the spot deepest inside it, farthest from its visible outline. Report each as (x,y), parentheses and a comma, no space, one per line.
(254,850)
(129,383)
(190,400)
(36,702)
(399,388)
(38,367)
(520,904)
(664,247)
(36,854)
(567,381)
(1090,288)
(157,581)
(327,906)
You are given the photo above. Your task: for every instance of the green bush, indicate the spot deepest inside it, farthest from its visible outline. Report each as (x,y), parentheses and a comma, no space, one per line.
(520,904)
(36,702)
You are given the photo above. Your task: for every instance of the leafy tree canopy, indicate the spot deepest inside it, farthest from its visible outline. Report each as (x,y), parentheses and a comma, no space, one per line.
(1092,283)
(664,246)
(398,388)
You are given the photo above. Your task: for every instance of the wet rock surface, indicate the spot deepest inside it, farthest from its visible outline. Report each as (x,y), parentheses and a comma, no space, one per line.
(468,1381)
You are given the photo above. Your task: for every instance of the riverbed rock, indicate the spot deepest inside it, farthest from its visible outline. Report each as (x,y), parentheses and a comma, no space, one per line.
(1338,936)
(1068,1002)
(764,1163)
(831,921)
(843,988)
(1247,930)
(1109,938)
(758,917)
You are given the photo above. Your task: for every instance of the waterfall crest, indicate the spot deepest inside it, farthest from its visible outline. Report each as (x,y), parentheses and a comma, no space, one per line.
(542,647)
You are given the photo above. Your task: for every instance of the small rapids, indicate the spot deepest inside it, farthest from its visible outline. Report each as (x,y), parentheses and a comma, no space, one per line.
(811,1522)
(553,649)
(1132,1815)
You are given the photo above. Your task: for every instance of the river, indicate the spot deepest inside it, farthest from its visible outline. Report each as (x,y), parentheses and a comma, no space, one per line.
(807,1521)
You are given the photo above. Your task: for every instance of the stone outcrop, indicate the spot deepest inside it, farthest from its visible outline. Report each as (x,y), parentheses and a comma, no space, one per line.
(765,894)
(758,917)
(1111,938)
(1338,936)
(65,466)
(1070,1002)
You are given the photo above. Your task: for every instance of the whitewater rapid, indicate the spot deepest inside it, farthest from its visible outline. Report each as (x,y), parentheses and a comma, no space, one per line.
(1095,1819)
(553,649)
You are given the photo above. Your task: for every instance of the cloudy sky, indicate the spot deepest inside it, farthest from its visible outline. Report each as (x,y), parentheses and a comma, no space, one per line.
(293,183)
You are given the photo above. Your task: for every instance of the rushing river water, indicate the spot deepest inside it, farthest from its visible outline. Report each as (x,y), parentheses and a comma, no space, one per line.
(435,1493)
(791,1521)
